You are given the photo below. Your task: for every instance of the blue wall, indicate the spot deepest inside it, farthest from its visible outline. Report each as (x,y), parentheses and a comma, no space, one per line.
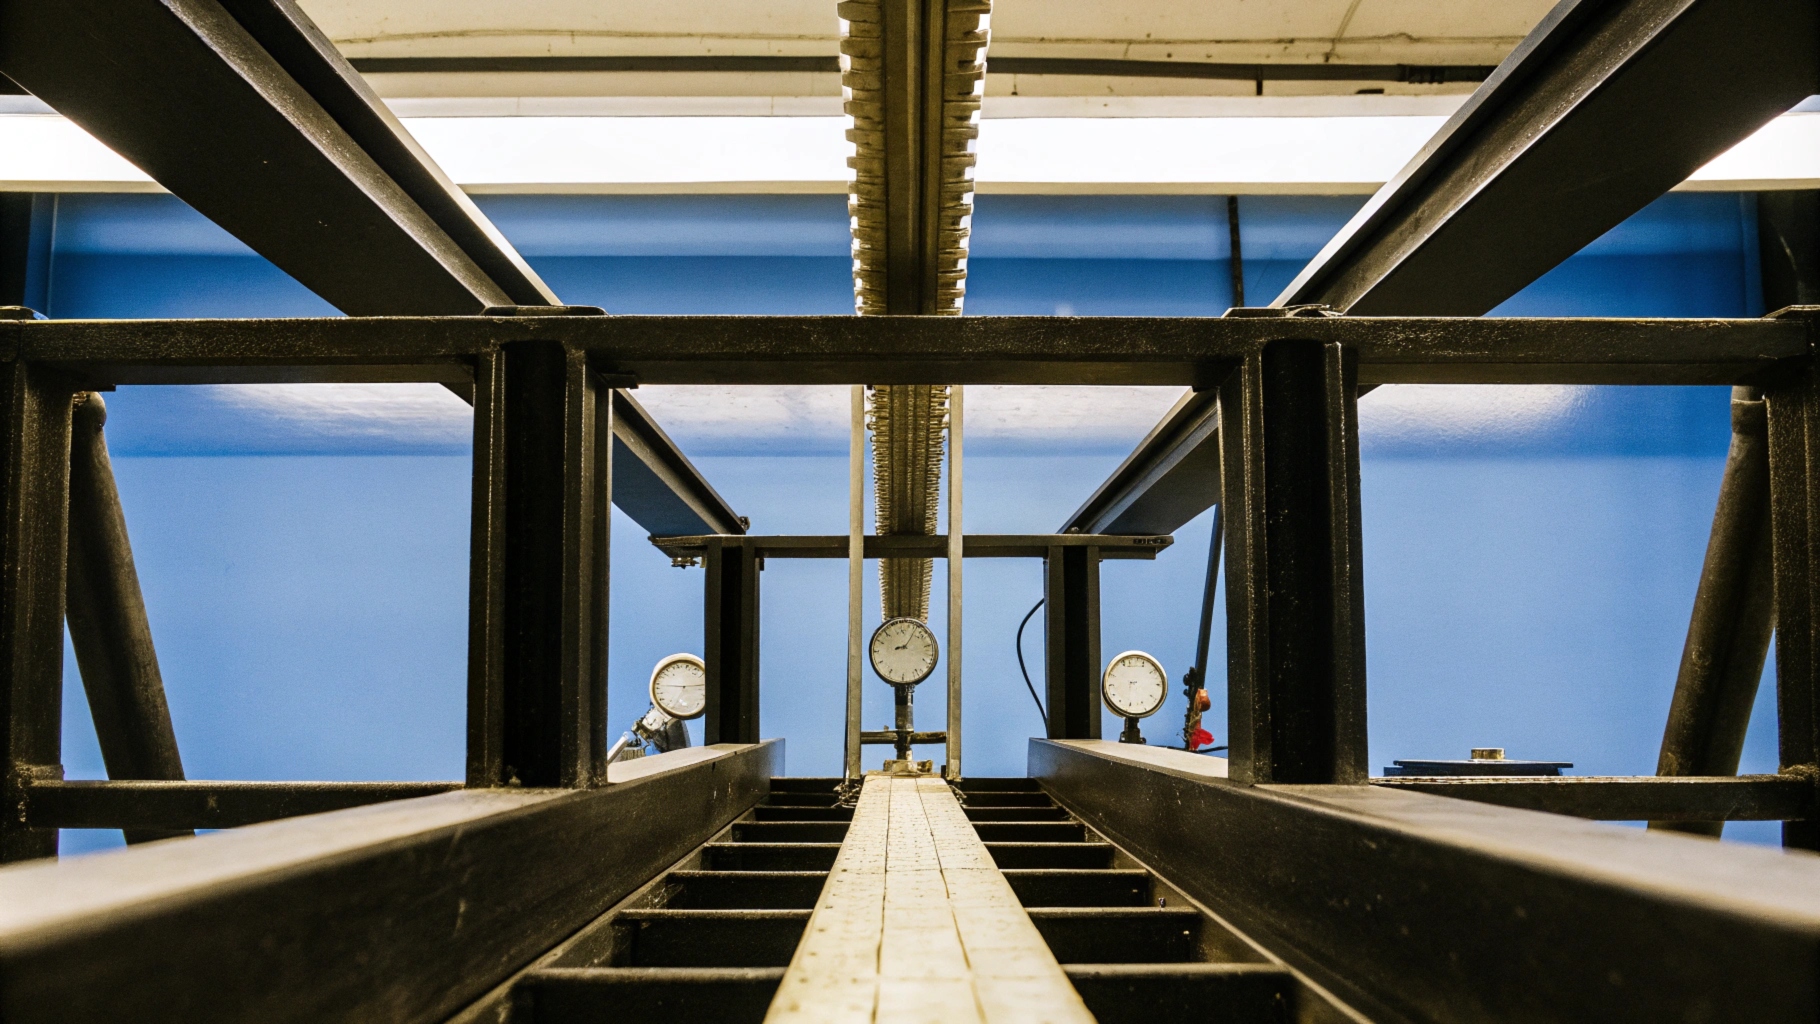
(1531,554)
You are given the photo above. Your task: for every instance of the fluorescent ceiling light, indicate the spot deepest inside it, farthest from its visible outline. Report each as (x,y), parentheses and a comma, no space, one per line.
(1316,155)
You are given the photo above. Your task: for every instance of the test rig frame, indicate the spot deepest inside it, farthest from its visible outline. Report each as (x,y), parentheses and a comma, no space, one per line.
(1415,900)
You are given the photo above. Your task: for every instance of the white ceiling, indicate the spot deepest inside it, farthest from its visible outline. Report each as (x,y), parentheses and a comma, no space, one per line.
(1353,31)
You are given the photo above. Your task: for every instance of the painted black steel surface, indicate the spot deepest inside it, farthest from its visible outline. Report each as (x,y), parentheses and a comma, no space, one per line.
(730,646)
(1602,108)
(402,912)
(538,568)
(34,492)
(1295,605)
(167,806)
(1196,351)
(1071,641)
(1420,908)
(108,628)
(1681,799)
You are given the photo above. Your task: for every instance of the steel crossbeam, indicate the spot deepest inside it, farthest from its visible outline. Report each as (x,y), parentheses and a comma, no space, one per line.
(848,350)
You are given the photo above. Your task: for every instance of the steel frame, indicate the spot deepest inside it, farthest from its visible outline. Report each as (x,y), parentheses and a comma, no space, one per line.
(1410,905)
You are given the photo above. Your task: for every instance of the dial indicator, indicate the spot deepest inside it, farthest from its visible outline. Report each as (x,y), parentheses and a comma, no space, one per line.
(1134,685)
(679,686)
(903,651)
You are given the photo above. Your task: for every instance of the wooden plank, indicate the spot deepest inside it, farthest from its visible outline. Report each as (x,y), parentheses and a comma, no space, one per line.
(401,912)
(917,924)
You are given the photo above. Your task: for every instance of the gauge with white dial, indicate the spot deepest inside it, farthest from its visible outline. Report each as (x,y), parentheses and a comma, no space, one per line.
(679,686)
(903,651)
(1134,685)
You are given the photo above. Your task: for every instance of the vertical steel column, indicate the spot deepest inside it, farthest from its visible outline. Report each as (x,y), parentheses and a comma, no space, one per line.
(1728,634)
(1071,640)
(539,569)
(107,622)
(955,523)
(1794,435)
(26,220)
(856,575)
(34,504)
(1295,597)
(731,648)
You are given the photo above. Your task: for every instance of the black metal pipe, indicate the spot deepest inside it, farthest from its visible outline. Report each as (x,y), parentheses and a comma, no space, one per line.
(1728,635)
(108,627)
(1238,256)
(905,707)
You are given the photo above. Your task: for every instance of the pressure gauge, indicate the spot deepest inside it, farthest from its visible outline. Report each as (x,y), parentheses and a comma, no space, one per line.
(904,651)
(1134,685)
(679,686)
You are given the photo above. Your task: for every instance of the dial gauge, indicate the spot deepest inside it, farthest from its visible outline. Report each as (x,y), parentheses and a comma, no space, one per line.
(679,686)
(1134,685)
(903,651)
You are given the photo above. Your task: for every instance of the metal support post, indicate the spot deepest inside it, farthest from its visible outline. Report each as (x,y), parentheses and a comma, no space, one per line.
(1734,614)
(1794,432)
(538,627)
(1295,601)
(856,574)
(26,221)
(1071,638)
(34,503)
(731,648)
(107,621)
(955,520)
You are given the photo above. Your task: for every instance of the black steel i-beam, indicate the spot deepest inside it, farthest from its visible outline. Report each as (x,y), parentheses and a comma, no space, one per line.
(34,503)
(1793,402)
(1295,592)
(1601,109)
(730,642)
(1417,908)
(537,657)
(1071,641)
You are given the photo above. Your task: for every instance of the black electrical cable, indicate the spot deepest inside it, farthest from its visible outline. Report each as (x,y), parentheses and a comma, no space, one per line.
(1020,664)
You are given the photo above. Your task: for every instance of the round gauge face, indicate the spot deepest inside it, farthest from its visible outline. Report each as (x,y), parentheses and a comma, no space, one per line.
(679,686)
(903,651)
(1134,685)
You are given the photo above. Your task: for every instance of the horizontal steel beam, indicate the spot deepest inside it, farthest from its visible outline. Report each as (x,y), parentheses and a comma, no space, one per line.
(1415,908)
(1634,798)
(401,912)
(1172,476)
(887,736)
(191,805)
(1196,351)
(979,545)
(655,484)
(1424,74)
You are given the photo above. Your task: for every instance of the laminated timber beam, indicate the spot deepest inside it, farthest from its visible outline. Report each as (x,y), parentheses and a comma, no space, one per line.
(1601,109)
(403,912)
(967,350)
(1416,908)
